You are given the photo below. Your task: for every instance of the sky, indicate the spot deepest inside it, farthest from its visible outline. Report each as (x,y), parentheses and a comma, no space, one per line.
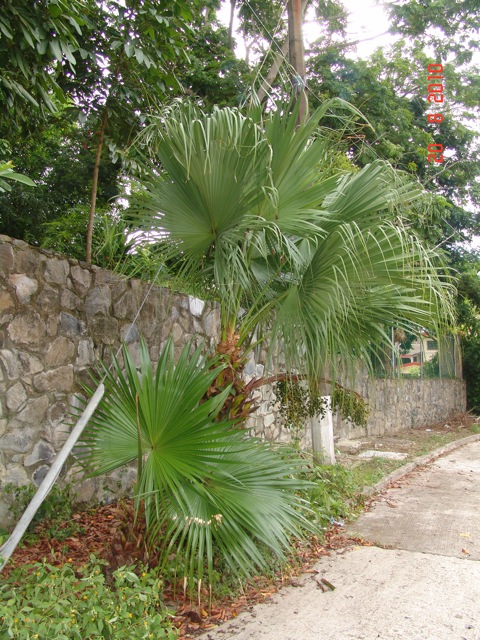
(367,20)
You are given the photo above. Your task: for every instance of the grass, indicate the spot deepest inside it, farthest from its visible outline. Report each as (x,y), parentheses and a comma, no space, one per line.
(368,473)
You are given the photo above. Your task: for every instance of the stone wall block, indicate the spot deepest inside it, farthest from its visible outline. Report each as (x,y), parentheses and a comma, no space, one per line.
(104,330)
(16,475)
(60,351)
(212,323)
(11,363)
(16,397)
(71,326)
(28,261)
(196,306)
(17,440)
(177,333)
(125,307)
(69,300)
(86,355)
(130,333)
(103,276)
(42,452)
(30,364)
(34,412)
(134,351)
(39,474)
(28,329)
(56,271)
(60,379)
(48,297)
(118,289)
(6,257)
(24,286)
(7,303)
(81,279)
(98,301)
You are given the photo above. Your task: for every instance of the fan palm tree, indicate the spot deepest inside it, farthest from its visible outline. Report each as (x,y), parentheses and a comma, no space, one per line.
(300,258)
(202,486)
(321,261)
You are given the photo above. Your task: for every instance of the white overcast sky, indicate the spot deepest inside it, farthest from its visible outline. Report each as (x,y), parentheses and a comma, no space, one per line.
(367,19)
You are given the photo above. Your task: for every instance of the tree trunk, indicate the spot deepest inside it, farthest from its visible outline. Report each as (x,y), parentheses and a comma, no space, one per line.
(93,199)
(230,25)
(279,58)
(296,54)
(262,93)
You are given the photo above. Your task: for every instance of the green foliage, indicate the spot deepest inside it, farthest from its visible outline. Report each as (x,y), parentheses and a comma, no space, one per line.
(201,482)
(372,471)
(49,603)
(431,368)
(448,26)
(298,402)
(7,173)
(37,39)
(56,510)
(334,493)
(351,406)
(468,313)
(58,155)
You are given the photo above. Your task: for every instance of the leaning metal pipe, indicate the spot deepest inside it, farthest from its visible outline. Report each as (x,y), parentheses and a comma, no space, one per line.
(43,490)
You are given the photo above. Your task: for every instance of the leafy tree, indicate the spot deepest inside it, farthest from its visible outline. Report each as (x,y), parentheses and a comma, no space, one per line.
(57,154)
(468,315)
(450,26)
(116,63)
(37,40)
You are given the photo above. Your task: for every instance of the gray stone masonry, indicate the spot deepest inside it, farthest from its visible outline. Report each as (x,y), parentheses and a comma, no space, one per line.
(59,316)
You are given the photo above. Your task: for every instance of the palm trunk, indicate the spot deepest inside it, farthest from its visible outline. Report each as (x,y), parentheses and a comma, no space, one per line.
(93,199)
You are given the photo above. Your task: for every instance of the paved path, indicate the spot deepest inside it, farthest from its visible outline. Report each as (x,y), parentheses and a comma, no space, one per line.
(425,588)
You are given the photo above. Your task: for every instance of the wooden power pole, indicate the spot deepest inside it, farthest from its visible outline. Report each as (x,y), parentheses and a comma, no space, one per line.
(297,54)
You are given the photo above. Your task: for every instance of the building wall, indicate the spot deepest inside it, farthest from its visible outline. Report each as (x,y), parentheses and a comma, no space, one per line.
(59,316)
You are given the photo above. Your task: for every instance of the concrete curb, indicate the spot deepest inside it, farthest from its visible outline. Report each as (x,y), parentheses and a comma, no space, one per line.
(419,462)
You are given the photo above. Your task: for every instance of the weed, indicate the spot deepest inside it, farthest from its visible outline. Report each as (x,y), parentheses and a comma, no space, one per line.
(47,602)
(334,493)
(369,473)
(55,512)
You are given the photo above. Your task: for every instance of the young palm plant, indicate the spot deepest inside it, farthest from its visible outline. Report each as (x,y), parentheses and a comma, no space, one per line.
(202,485)
(316,263)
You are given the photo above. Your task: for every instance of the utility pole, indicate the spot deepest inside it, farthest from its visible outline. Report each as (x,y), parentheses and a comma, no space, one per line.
(296,53)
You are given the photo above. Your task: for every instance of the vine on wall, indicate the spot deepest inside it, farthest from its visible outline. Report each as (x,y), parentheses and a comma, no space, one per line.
(298,402)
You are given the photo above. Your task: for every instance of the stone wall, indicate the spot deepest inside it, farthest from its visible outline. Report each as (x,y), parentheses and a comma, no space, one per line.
(404,404)
(59,316)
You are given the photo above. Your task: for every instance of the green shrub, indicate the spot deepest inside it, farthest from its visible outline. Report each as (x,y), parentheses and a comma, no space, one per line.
(55,512)
(334,493)
(59,603)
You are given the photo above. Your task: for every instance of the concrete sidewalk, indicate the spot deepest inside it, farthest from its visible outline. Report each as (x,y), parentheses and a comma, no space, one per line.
(426,587)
